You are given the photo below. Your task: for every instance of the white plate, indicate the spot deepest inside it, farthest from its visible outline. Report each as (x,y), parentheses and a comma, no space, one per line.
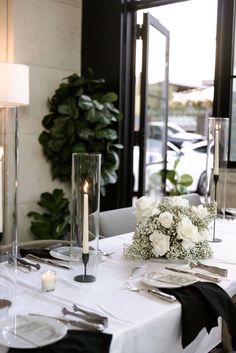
(164,280)
(30,332)
(63,253)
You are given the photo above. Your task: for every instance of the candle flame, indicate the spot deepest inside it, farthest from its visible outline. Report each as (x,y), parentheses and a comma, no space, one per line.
(86,186)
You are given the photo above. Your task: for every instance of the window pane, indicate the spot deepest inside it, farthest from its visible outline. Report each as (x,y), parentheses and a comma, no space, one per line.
(233,125)
(234,69)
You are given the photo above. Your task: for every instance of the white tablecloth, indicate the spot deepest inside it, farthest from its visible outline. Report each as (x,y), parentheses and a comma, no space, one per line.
(139,322)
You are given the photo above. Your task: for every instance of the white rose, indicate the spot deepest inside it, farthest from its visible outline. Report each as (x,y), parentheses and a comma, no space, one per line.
(188,232)
(145,207)
(178,201)
(166,219)
(200,211)
(160,243)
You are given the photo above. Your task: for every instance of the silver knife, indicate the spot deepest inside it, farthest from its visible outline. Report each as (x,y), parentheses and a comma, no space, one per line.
(168,297)
(196,274)
(214,269)
(47,261)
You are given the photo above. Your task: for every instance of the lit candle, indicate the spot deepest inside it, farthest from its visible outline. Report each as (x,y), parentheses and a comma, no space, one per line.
(216,152)
(1,189)
(85,220)
(48,279)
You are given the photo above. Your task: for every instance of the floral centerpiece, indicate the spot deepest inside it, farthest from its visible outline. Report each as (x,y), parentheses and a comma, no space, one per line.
(171,229)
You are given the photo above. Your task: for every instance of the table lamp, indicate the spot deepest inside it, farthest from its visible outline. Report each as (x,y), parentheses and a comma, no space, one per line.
(14,93)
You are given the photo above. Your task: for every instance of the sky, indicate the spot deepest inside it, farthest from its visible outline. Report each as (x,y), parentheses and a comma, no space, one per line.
(192,26)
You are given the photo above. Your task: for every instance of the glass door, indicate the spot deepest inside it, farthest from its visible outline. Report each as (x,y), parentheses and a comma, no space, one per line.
(151,105)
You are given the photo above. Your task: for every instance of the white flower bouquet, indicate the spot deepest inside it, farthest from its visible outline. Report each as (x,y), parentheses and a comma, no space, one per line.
(171,229)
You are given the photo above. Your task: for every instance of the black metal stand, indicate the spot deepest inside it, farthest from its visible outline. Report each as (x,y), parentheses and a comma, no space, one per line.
(85,278)
(214,239)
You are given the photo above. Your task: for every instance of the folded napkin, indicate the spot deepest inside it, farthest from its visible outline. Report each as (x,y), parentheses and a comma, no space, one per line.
(75,342)
(40,252)
(202,304)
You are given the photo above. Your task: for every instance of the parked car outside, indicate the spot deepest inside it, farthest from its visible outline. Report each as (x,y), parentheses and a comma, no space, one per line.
(192,161)
(175,133)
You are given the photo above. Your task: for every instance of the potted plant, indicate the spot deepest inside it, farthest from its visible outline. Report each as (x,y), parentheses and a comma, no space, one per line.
(54,222)
(82,118)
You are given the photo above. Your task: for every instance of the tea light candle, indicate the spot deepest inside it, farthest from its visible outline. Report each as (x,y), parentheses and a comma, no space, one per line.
(48,279)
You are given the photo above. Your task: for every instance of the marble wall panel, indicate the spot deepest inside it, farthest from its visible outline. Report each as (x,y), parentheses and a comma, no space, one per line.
(43,83)
(47,37)
(47,33)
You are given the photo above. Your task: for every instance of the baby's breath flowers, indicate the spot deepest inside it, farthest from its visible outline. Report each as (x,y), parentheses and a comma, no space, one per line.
(171,229)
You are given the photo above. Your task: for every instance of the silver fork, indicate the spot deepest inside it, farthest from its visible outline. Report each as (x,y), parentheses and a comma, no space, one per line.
(156,292)
(86,317)
(91,314)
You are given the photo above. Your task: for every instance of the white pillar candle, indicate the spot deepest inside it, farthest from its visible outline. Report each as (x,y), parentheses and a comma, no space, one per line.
(216,152)
(85,220)
(48,280)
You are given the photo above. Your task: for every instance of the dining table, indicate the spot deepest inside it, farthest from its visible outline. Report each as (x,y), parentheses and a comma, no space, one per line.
(138,322)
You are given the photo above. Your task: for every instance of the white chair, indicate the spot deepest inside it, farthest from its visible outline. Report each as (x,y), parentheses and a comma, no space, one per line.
(194,199)
(118,221)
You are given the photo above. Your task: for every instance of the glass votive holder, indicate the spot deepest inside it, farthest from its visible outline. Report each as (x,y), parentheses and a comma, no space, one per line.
(48,280)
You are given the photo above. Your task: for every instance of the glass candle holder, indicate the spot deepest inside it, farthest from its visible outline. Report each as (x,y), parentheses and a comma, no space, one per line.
(217,158)
(48,280)
(86,170)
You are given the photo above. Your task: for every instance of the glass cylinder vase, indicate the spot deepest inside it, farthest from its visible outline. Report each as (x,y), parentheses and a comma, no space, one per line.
(86,170)
(217,158)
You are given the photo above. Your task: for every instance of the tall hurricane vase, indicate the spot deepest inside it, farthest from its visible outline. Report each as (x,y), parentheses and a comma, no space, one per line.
(217,158)
(84,258)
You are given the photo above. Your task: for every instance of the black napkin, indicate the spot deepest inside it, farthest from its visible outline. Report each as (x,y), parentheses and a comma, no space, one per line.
(40,252)
(75,342)
(202,304)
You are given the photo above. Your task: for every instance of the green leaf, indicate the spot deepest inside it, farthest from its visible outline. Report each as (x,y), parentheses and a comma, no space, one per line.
(69,107)
(48,121)
(109,97)
(186,180)
(79,148)
(171,175)
(86,133)
(109,177)
(109,134)
(56,145)
(85,102)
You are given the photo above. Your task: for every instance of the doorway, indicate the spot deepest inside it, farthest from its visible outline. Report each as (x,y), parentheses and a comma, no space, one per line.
(192,32)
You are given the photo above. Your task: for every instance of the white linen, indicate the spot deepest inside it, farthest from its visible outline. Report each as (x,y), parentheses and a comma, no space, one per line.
(139,322)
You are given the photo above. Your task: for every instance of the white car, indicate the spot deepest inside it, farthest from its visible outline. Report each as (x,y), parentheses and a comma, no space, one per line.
(193,158)
(175,134)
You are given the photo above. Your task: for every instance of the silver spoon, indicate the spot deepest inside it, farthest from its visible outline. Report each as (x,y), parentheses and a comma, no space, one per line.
(156,292)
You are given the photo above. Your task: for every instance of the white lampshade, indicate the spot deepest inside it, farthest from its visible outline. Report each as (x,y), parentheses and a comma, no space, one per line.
(14,84)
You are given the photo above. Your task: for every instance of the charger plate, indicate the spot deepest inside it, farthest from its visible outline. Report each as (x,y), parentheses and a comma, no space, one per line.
(30,332)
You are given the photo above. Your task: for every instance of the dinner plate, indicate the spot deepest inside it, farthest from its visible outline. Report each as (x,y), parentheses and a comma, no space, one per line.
(63,253)
(164,280)
(30,332)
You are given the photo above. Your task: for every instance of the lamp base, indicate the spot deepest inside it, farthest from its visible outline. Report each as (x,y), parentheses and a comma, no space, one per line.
(85,278)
